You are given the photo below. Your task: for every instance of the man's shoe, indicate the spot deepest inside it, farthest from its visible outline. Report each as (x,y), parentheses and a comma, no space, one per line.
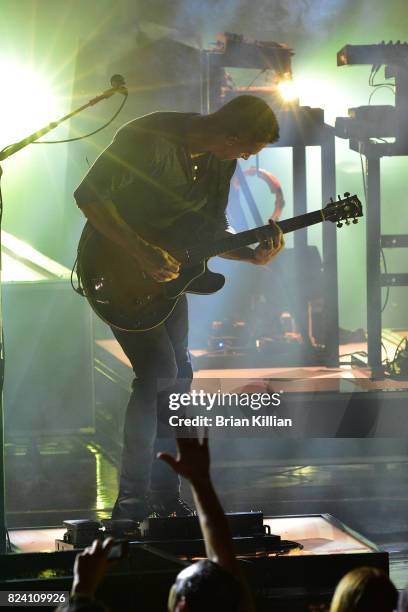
(171,506)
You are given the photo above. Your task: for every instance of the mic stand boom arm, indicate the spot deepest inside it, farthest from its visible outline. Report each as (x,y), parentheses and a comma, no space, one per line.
(17,146)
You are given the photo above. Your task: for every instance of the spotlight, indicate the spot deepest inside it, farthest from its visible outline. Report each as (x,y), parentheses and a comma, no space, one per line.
(27,102)
(288,90)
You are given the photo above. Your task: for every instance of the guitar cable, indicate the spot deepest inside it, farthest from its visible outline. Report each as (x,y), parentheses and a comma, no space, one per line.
(79,289)
(39,142)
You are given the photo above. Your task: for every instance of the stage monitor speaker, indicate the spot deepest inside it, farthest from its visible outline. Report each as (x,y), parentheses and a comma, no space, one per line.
(49,384)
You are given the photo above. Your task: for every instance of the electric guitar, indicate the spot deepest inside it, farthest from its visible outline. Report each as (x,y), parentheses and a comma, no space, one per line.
(125,297)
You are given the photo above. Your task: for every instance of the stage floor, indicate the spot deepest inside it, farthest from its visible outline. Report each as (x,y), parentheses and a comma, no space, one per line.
(308,378)
(362,481)
(317,536)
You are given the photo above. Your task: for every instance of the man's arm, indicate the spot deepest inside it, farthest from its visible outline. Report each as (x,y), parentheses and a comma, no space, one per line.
(245,254)
(267,249)
(193,463)
(263,253)
(156,262)
(93,197)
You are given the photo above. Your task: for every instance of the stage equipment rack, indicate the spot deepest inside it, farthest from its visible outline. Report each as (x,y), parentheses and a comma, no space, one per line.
(300,127)
(364,124)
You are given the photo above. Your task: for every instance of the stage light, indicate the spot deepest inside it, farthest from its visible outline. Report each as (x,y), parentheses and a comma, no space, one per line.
(27,102)
(288,90)
(317,93)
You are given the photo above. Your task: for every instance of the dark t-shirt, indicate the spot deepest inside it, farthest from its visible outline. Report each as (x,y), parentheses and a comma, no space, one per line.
(147,172)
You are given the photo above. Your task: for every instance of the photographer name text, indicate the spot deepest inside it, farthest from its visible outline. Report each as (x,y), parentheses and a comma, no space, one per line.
(230,421)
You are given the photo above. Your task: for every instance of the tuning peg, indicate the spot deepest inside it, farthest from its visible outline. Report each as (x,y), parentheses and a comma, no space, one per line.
(339,224)
(347,194)
(347,221)
(331,200)
(339,196)
(355,220)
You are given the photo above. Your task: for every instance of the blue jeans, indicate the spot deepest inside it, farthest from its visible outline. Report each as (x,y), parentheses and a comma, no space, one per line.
(161,363)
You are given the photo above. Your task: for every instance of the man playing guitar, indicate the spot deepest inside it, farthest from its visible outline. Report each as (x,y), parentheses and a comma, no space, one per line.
(158,169)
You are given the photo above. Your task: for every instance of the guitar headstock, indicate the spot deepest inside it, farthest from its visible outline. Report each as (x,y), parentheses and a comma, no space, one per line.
(343,209)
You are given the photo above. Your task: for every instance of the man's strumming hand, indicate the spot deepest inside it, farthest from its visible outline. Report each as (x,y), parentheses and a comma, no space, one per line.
(157,262)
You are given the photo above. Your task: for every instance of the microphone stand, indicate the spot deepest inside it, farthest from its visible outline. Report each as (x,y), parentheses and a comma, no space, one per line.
(4,154)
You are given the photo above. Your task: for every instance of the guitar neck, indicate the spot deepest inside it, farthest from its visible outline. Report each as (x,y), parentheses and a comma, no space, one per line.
(237,241)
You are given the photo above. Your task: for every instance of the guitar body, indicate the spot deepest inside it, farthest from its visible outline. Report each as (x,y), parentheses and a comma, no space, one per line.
(125,297)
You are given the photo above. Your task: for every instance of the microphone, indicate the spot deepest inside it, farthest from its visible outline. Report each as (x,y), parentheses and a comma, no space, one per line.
(117,82)
(118,86)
